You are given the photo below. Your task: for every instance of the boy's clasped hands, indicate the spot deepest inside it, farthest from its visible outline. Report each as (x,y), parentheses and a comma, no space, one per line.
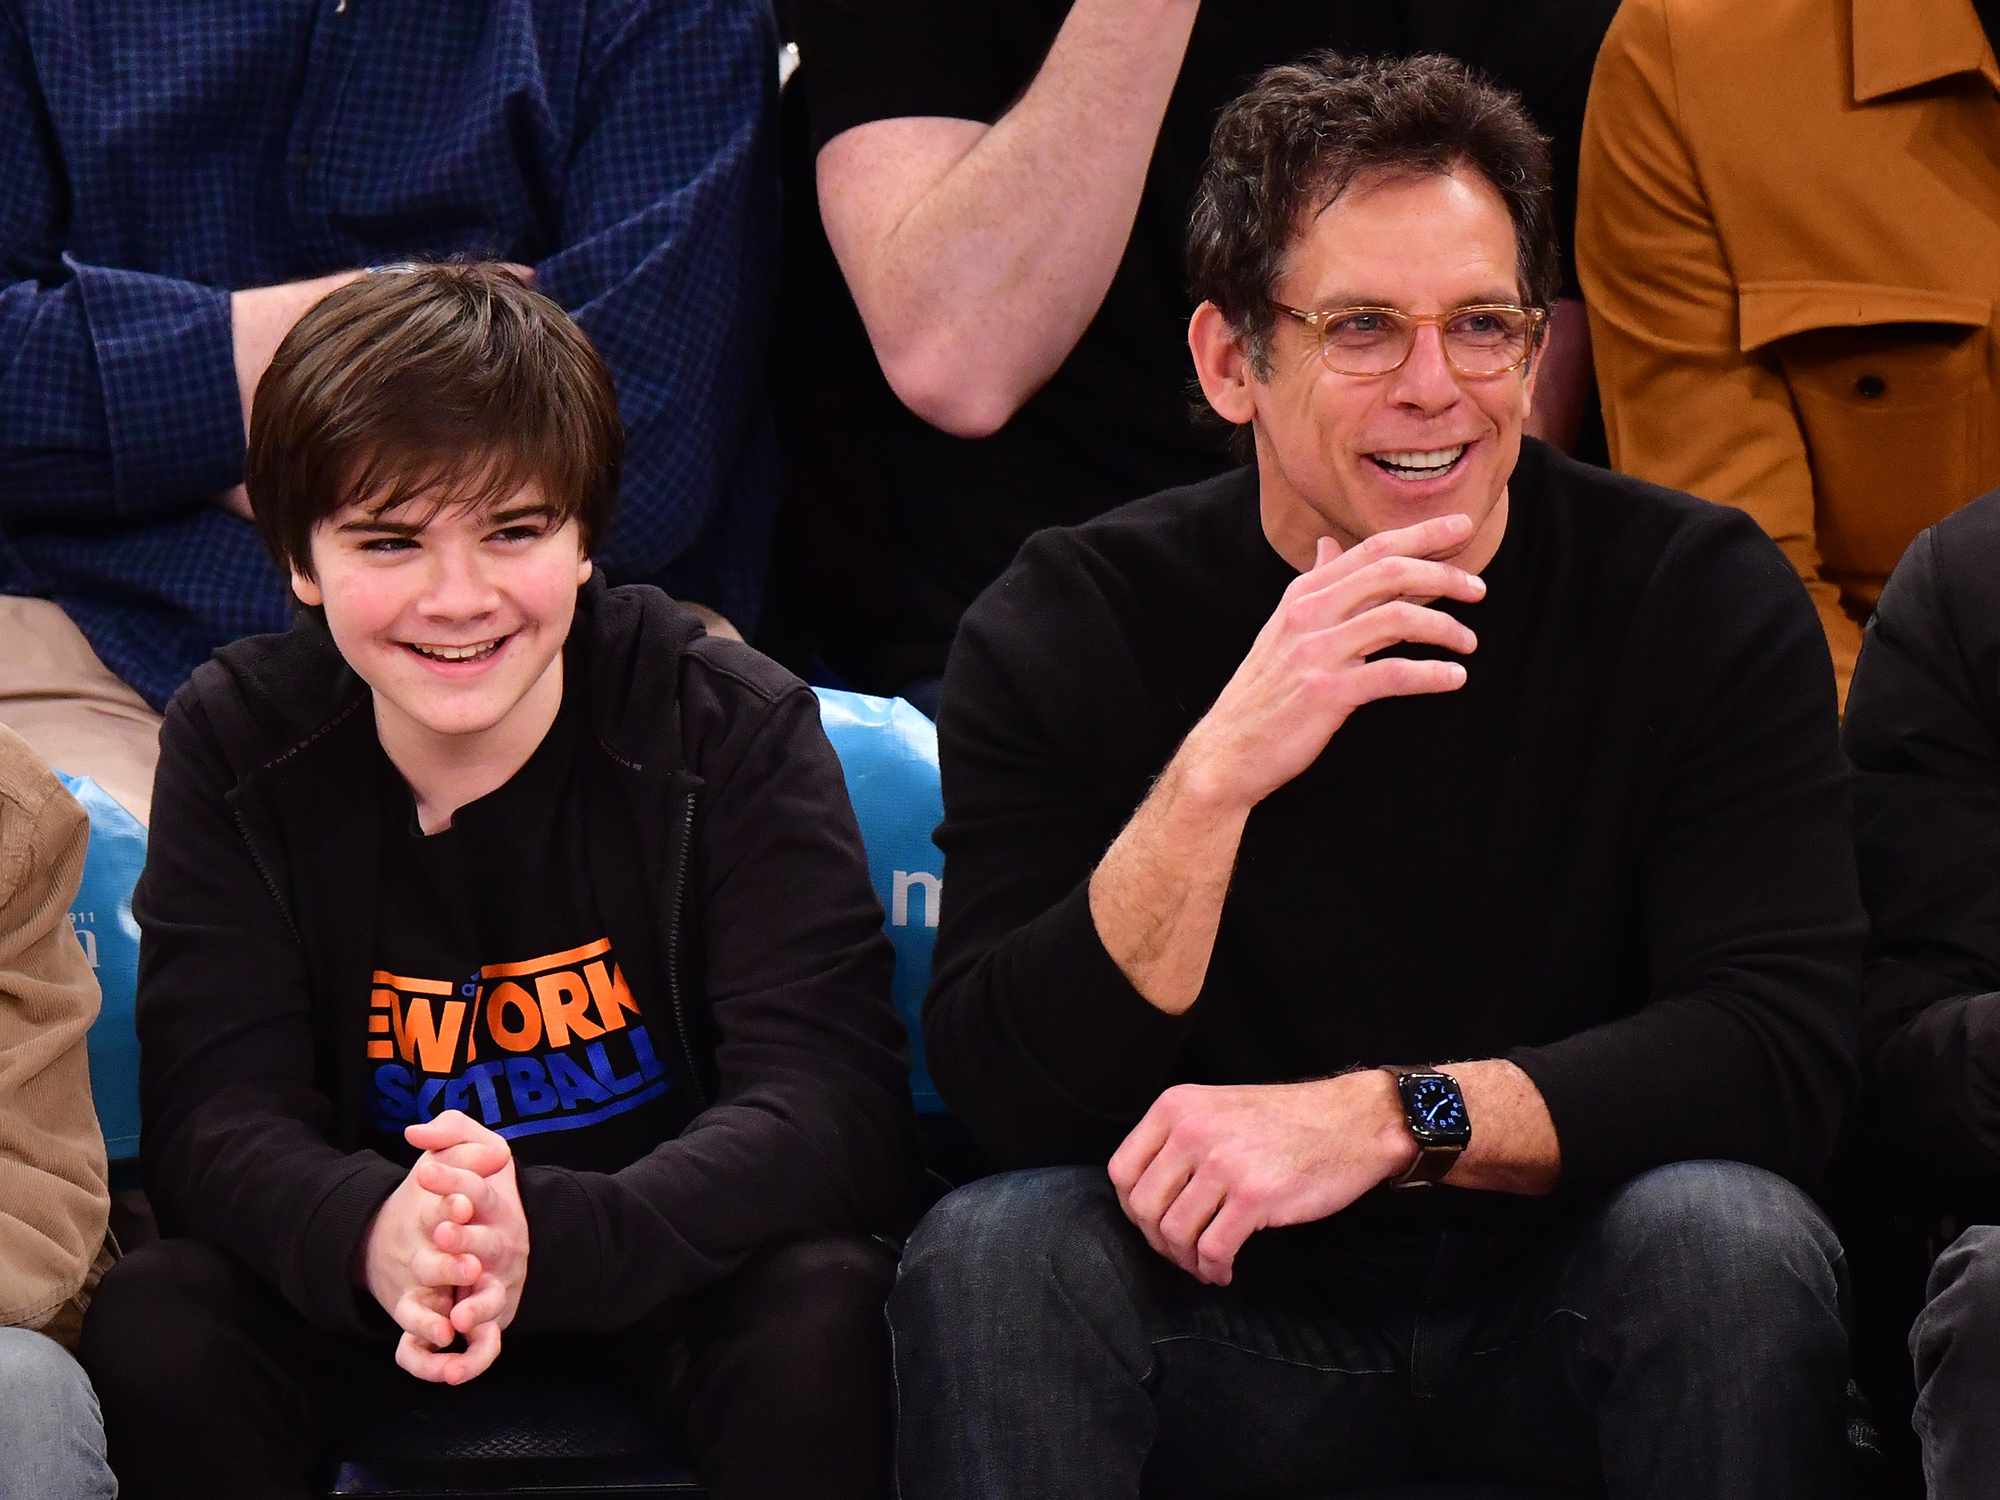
(448,1252)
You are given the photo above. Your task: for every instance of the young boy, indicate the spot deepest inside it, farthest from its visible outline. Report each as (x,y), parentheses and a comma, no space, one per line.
(510,971)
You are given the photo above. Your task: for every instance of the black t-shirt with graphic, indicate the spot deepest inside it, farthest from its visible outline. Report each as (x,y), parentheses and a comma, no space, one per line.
(497,989)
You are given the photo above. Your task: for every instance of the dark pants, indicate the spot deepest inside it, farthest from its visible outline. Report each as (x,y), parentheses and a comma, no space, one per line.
(1956,1347)
(1684,1340)
(777,1379)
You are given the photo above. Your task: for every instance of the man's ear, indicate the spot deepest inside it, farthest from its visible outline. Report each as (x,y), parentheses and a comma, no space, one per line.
(1221,365)
(582,568)
(306,590)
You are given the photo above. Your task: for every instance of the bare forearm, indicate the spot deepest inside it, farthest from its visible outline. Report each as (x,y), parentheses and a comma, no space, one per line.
(1156,897)
(1514,1147)
(260,318)
(978,256)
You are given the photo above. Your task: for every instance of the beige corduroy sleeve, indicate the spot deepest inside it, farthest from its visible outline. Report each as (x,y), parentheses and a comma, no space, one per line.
(54,1191)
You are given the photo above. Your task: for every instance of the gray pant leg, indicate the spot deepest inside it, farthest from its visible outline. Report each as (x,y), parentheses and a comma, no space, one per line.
(1955,1344)
(51,1434)
(1714,1346)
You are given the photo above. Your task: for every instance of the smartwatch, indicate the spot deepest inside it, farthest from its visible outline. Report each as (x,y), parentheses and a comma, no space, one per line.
(1434,1111)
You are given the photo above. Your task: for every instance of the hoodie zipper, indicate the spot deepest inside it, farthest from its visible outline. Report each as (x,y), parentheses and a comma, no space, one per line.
(674,909)
(243,831)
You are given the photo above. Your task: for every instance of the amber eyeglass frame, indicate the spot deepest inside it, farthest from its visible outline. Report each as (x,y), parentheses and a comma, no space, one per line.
(1537,320)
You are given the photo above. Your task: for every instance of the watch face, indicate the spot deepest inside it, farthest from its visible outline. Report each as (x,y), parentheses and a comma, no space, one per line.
(1436,1108)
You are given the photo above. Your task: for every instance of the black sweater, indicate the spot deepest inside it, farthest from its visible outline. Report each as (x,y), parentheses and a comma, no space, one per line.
(1923,730)
(730,876)
(1618,856)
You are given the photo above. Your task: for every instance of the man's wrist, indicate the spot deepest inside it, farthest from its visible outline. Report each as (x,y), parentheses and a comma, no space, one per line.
(1196,786)
(1397,1148)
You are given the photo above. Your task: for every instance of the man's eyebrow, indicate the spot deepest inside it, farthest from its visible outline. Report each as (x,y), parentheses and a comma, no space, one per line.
(1486,297)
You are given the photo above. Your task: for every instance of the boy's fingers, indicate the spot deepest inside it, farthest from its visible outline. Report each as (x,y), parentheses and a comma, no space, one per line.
(454,1127)
(433,1176)
(483,1157)
(482,1347)
(482,1305)
(436,1268)
(438,1209)
(471,1239)
(421,1360)
(420,1318)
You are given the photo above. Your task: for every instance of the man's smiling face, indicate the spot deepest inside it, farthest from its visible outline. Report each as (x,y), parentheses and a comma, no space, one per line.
(454,617)
(1347,456)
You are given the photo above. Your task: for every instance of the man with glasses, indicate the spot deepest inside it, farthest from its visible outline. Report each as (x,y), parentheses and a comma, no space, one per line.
(1415,866)
(1004,184)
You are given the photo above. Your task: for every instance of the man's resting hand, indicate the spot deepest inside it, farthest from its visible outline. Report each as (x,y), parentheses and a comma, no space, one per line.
(1209,1166)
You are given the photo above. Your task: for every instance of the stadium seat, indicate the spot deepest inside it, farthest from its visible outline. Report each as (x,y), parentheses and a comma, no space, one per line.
(101,916)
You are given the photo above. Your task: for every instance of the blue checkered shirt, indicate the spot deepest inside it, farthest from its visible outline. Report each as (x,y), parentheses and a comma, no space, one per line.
(153,157)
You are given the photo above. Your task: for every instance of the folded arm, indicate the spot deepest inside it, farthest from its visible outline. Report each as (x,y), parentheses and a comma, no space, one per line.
(666,253)
(117,387)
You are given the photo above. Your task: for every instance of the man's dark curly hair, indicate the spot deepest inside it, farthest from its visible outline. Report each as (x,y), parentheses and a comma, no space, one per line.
(1307,131)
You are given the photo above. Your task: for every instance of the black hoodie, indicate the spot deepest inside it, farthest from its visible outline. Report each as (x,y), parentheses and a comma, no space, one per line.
(729,870)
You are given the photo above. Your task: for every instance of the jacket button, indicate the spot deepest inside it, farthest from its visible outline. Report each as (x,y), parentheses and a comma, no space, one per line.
(1871,387)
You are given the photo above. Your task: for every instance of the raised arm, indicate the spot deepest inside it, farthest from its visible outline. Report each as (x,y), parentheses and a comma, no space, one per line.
(1923,732)
(978,253)
(1684,404)
(1066,971)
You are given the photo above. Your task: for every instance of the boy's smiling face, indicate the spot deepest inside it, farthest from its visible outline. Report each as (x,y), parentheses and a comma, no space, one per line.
(454,616)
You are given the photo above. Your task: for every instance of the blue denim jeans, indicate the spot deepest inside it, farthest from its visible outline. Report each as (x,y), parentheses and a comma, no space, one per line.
(51,1436)
(1955,1345)
(1684,1339)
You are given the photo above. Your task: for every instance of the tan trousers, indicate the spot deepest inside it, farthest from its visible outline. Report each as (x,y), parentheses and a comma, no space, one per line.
(74,712)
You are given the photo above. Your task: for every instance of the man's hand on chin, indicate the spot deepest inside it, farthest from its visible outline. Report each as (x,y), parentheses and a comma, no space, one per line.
(1209,1166)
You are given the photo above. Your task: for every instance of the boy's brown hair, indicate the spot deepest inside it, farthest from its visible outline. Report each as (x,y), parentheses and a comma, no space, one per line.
(447,385)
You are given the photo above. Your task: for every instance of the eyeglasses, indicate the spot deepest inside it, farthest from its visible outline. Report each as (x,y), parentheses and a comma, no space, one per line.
(1488,338)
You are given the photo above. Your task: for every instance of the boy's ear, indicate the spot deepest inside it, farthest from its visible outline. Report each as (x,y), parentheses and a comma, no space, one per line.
(307,591)
(582,569)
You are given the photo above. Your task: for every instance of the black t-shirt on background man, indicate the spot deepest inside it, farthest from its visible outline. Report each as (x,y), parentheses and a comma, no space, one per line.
(497,990)
(897,526)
